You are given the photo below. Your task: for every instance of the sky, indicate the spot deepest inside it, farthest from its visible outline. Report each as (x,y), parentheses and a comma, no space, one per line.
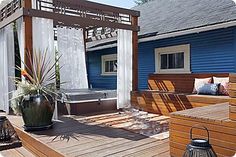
(118,3)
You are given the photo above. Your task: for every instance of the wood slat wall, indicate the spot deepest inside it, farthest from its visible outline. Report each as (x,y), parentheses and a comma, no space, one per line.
(182,83)
(215,118)
(165,103)
(232,94)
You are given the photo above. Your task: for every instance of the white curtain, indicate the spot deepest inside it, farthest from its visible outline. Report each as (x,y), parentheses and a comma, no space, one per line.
(43,36)
(72,51)
(21,38)
(43,39)
(7,68)
(124,73)
(10,56)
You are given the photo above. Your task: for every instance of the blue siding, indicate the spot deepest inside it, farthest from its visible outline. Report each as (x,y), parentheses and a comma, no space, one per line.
(235,50)
(95,70)
(212,51)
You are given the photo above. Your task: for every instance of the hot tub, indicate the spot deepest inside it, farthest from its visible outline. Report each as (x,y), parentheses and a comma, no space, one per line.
(82,101)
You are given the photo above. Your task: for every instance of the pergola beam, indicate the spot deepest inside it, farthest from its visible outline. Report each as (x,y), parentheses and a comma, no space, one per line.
(135,56)
(76,20)
(28,35)
(78,13)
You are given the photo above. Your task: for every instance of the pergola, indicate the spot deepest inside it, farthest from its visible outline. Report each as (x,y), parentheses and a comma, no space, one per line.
(96,20)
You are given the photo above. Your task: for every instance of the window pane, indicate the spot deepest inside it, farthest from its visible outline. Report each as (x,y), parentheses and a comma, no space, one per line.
(171,61)
(107,66)
(111,66)
(164,61)
(111,69)
(179,60)
(115,66)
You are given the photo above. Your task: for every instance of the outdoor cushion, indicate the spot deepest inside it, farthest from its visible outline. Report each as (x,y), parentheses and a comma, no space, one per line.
(224,84)
(200,82)
(209,88)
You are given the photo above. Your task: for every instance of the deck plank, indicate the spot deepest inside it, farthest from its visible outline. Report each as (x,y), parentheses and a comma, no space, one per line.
(17,152)
(152,151)
(109,150)
(142,149)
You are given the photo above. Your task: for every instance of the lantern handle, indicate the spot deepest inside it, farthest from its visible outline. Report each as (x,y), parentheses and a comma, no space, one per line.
(197,126)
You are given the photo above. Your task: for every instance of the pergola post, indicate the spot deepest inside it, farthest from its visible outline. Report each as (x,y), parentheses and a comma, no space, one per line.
(28,34)
(135,55)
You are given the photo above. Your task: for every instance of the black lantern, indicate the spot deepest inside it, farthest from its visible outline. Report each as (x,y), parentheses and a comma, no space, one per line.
(6,129)
(199,147)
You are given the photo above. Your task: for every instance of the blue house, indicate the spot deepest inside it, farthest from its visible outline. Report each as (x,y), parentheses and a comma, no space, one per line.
(177,36)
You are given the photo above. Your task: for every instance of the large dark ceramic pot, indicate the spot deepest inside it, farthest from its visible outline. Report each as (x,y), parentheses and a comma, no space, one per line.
(37,112)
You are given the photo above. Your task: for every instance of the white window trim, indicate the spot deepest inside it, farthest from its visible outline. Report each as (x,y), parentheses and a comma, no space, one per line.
(105,58)
(172,49)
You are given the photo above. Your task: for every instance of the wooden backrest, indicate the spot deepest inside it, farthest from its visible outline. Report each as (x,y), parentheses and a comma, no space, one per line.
(232,94)
(180,83)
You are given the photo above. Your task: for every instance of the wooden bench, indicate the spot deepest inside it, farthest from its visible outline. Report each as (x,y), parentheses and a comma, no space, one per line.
(173,92)
(220,119)
(222,130)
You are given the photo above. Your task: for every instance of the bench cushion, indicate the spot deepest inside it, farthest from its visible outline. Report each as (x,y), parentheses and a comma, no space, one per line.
(224,84)
(209,89)
(200,82)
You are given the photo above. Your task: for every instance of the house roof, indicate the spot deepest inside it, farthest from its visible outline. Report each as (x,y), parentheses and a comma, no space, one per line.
(160,17)
(163,16)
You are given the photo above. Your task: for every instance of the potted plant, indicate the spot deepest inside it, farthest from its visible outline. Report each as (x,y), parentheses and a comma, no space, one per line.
(34,97)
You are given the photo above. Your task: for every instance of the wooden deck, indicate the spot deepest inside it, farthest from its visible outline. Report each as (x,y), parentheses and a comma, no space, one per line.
(215,118)
(18,152)
(95,135)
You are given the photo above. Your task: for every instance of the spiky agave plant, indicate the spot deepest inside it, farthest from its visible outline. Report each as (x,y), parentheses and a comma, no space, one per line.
(39,77)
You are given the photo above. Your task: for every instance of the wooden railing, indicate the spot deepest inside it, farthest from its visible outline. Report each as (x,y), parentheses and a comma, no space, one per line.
(91,11)
(232,94)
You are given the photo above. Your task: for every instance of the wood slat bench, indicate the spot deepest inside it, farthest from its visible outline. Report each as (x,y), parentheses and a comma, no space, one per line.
(232,93)
(220,119)
(173,92)
(215,117)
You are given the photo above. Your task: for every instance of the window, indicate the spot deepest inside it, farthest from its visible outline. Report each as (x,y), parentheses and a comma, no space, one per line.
(173,59)
(109,64)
